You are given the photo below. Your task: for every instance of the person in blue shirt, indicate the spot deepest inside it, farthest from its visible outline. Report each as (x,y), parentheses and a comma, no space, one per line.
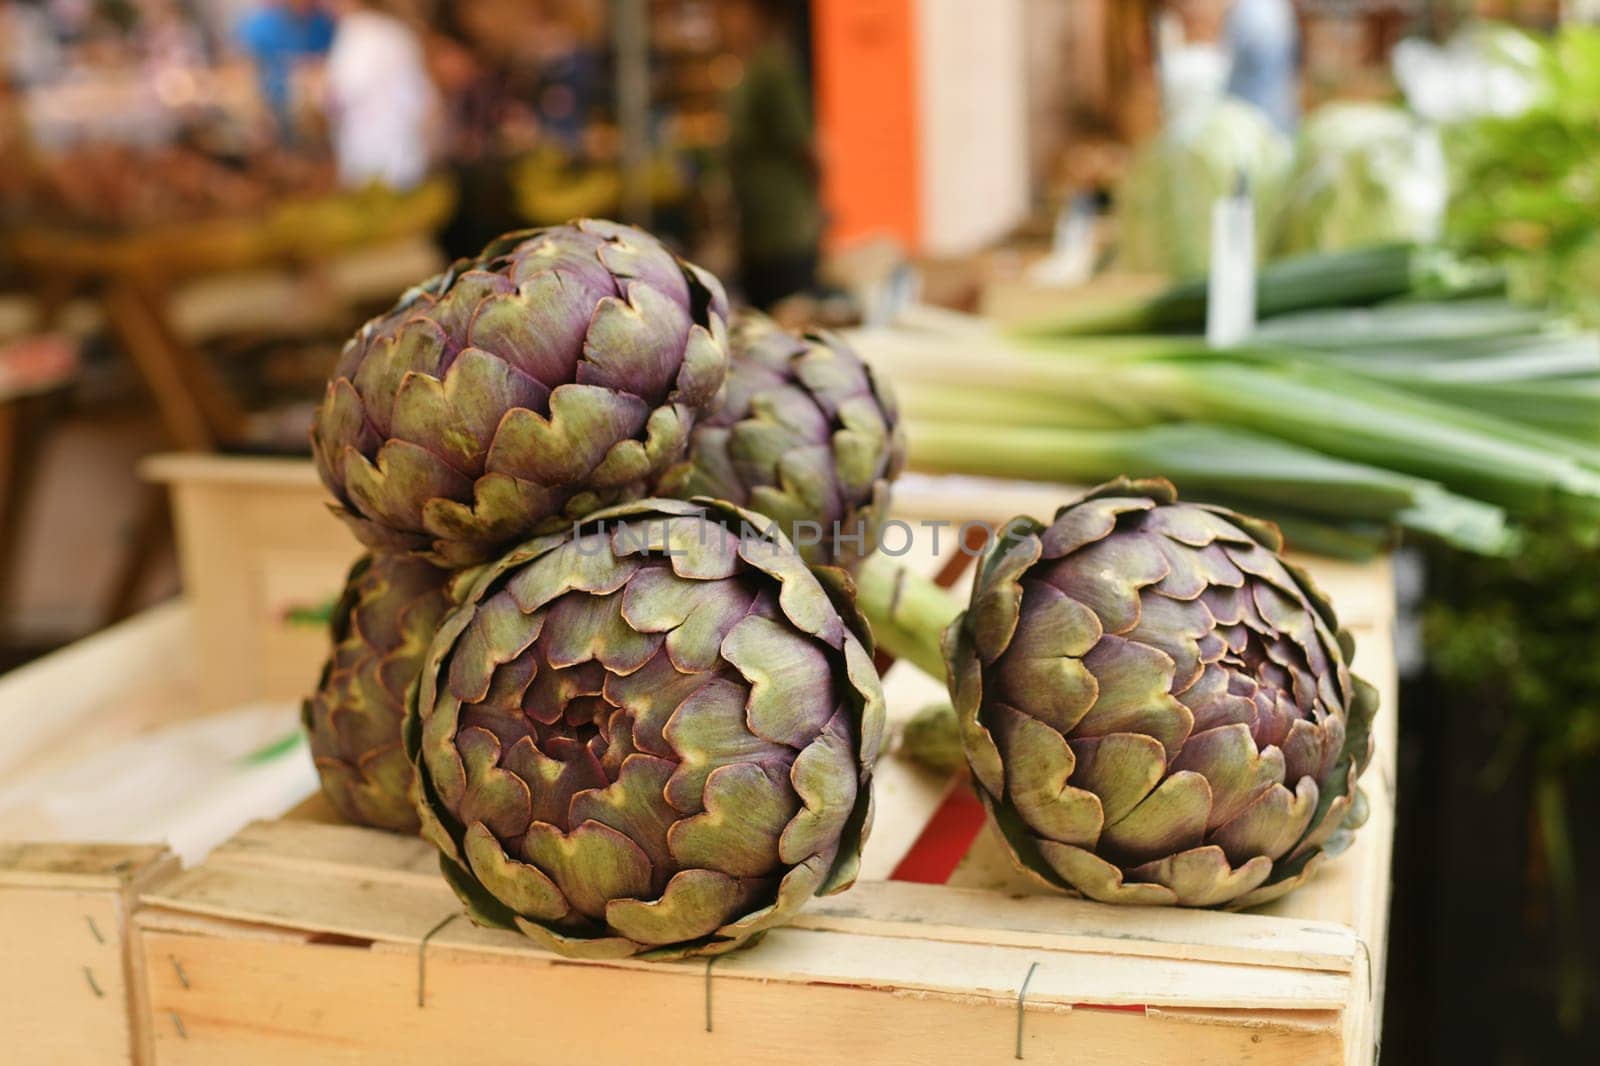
(1263,43)
(277,37)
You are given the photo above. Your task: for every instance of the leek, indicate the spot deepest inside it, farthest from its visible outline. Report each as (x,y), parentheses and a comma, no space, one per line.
(1354,278)
(1254,472)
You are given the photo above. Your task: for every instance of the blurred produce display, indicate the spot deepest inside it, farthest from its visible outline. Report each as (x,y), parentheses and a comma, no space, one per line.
(1363,174)
(1164,205)
(1526,186)
(120,186)
(1495,153)
(149,116)
(550,186)
(124,117)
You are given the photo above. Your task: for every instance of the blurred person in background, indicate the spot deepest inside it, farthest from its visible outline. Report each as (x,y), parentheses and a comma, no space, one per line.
(569,76)
(772,158)
(278,37)
(1263,45)
(16,149)
(481,104)
(30,49)
(169,39)
(381,101)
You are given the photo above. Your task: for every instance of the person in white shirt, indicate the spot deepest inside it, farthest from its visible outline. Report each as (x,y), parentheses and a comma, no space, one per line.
(1263,42)
(381,102)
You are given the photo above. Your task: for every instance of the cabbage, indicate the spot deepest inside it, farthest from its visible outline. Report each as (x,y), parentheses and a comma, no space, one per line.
(1363,174)
(1164,204)
(1486,69)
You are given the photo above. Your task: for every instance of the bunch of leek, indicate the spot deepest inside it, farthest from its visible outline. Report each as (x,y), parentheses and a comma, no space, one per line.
(1454,420)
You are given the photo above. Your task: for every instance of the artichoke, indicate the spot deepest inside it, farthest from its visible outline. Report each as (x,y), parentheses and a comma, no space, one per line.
(382,624)
(560,371)
(1155,706)
(652,734)
(808,436)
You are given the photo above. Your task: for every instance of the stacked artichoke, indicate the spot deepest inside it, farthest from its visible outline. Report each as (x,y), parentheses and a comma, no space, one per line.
(646,726)
(683,753)
(382,625)
(560,371)
(808,436)
(653,735)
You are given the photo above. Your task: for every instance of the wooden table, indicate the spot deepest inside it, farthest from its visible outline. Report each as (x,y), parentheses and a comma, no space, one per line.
(33,371)
(131,275)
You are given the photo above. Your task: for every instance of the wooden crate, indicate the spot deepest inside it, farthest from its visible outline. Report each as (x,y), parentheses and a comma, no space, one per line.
(70,990)
(258,547)
(303,940)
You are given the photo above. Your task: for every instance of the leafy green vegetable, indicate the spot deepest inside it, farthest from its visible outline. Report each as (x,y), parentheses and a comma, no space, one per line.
(1527,187)
(1363,174)
(1164,205)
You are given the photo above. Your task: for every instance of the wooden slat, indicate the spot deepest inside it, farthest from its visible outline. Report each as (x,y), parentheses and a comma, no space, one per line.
(323,879)
(938,912)
(79,867)
(330,847)
(257,1002)
(341,856)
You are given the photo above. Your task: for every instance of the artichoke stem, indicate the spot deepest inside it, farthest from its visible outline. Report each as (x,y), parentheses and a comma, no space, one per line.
(908,612)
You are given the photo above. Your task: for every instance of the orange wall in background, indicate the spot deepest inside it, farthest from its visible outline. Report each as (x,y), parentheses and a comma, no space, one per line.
(866,81)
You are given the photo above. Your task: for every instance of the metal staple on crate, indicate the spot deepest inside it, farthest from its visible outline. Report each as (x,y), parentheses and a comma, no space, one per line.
(709,962)
(183,979)
(1022,998)
(1372,992)
(422,957)
(88,974)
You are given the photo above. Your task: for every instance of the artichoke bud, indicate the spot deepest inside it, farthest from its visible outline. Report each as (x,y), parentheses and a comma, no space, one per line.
(651,734)
(1156,707)
(807,434)
(381,628)
(559,372)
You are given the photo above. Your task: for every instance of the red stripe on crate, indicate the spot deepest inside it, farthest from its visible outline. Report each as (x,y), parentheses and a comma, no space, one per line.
(1127,1008)
(945,840)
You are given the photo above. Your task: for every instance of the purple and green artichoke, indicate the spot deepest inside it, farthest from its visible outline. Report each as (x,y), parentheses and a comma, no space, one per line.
(649,735)
(561,371)
(382,625)
(808,436)
(1156,707)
